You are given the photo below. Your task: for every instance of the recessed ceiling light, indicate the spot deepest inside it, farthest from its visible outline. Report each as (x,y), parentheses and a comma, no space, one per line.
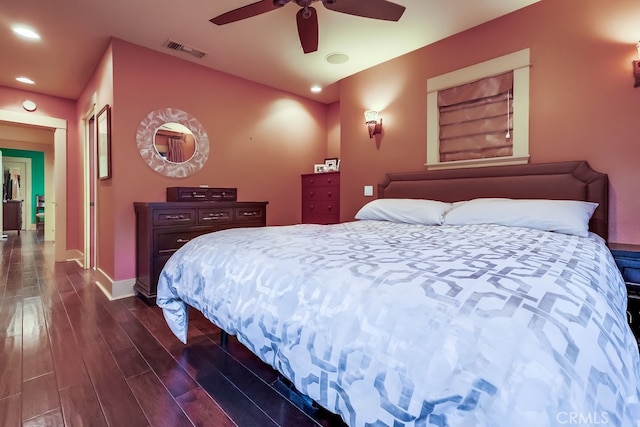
(26,32)
(316,89)
(336,58)
(25,80)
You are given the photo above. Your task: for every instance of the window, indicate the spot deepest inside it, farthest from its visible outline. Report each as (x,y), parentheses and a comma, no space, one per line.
(479,115)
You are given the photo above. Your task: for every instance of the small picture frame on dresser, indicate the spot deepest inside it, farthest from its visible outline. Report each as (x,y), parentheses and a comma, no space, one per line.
(331,164)
(319,168)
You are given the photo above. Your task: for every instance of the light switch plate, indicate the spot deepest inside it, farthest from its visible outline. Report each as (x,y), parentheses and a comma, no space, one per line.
(368,190)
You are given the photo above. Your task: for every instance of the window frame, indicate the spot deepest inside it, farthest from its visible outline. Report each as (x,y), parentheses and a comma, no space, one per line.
(519,63)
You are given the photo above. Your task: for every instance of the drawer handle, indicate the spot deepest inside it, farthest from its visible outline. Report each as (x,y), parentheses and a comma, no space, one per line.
(329,194)
(198,196)
(182,240)
(167,251)
(213,217)
(177,217)
(253,213)
(311,193)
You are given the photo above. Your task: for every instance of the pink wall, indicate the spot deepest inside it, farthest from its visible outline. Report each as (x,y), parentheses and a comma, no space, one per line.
(99,91)
(333,130)
(582,103)
(261,140)
(65,109)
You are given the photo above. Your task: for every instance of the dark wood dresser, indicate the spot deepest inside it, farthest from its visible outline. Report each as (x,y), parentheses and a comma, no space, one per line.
(321,198)
(12,215)
(164,227)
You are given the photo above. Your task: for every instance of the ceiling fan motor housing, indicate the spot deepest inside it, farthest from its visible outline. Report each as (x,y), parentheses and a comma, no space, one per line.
(280,3)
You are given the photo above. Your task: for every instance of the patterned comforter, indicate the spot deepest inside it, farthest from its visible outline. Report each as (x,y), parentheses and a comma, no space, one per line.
(399,324)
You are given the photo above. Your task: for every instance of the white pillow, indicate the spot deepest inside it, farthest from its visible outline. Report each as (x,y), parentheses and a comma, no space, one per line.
(562,216)
(412,211)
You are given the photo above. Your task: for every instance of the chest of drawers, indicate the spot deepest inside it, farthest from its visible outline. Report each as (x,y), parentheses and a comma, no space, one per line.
(12,215)
(321,198)
(164,227)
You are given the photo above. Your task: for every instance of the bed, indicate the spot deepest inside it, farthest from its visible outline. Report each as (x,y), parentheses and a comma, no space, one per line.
(440,305)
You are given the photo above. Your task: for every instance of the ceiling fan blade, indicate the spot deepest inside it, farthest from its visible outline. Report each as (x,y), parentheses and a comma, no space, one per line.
(307,20)
(248,11)
(375,9)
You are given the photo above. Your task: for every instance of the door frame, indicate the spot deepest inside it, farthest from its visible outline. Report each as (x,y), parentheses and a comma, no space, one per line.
(27,212)
(58,197)
(90,187)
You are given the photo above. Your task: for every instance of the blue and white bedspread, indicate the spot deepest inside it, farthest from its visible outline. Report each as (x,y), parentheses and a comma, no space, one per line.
(398,324)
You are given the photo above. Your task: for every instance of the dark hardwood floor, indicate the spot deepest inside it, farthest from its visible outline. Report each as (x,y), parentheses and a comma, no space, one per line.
(71,357)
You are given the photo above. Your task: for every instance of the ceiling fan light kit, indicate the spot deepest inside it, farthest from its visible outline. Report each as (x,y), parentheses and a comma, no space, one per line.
(307,17)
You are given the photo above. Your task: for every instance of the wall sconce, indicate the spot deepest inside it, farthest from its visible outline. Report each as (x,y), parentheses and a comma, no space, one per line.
(373,121)
(636,68)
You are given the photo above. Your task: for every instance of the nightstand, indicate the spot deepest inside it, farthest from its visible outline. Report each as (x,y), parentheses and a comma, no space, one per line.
(627,258)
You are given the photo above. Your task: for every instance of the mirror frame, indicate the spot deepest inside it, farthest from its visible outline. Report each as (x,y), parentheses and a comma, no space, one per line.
(145,137)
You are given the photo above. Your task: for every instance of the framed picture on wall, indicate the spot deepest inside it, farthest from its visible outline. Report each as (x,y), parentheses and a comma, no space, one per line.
(103,130)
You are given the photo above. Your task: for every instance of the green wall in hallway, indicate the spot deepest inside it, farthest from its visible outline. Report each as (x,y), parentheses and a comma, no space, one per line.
(37,172)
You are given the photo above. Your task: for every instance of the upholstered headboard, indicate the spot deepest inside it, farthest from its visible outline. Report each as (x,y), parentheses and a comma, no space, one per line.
(561,181)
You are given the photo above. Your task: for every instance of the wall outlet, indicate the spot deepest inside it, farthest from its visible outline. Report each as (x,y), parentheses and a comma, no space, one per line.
(368,190)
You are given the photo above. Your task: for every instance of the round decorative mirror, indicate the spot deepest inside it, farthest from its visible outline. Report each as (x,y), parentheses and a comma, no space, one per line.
(172,142)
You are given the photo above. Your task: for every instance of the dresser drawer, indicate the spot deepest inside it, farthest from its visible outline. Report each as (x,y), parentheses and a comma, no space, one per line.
(222,194)
(321,179)
(320,212)
(201,194)
(631,275)
(187,195)
(214,216)
(167,242)
(174,216)
(321,193)
(250,214)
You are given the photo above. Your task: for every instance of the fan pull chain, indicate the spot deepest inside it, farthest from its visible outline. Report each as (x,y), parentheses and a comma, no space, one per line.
(508,135)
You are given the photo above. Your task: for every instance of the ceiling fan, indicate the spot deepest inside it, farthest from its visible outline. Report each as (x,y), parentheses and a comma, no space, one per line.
(307,18)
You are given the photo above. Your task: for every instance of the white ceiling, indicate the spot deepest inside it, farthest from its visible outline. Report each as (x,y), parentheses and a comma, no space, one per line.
(264,48)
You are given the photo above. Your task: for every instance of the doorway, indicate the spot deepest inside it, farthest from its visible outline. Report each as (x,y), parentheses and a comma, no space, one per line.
(56,188)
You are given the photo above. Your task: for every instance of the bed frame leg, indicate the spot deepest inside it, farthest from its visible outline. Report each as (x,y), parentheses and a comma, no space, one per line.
(224,339)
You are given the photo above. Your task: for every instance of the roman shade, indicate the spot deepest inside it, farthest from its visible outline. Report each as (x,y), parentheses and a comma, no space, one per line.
(476,119)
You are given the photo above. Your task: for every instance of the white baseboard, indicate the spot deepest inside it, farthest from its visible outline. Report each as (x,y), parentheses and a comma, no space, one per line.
(75,255)
(114,289)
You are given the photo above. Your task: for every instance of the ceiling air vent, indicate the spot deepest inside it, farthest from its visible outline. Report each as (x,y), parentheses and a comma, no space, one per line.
(182,48)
